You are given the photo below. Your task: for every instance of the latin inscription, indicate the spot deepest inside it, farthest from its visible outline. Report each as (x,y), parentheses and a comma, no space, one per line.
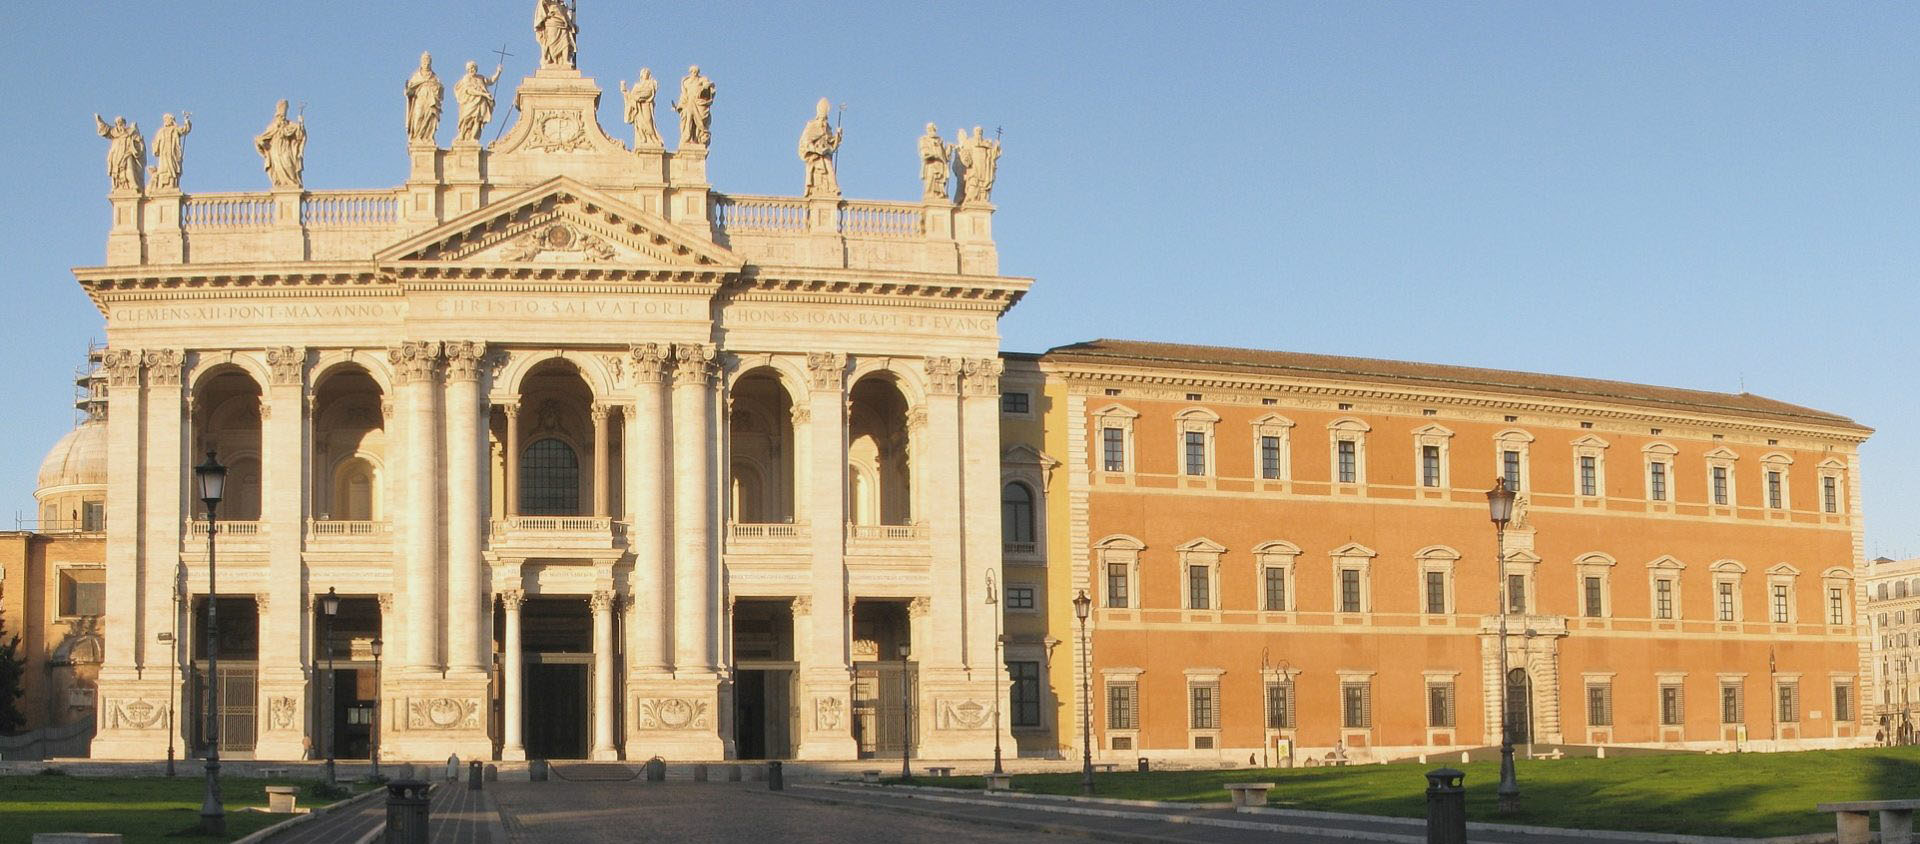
(563,308)
(869,320)
(256,313)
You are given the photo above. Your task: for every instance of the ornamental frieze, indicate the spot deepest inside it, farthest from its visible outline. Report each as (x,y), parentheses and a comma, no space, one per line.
(961,714)
(443,713)
(670,713)
(135,714)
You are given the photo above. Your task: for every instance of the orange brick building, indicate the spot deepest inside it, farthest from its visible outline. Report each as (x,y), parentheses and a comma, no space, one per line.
(1291,553)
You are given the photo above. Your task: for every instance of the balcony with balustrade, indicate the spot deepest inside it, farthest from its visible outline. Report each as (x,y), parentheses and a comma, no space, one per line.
(770,540)
(557,535)
(349,536)
(900,541)
(236,539)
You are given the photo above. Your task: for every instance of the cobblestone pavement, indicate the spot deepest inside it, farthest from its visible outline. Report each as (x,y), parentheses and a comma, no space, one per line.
(693,812)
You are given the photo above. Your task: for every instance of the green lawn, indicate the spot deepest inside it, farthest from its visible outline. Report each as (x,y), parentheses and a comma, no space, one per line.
(148,810)
(1748,794)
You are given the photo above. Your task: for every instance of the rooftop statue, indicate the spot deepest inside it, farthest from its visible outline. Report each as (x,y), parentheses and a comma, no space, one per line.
(558,33)
(934,172)
(424,93)
(126,152)
(979,159)
(696,108)
(640,109)
(168,150)
(283,148)
(818,143)
(474,93)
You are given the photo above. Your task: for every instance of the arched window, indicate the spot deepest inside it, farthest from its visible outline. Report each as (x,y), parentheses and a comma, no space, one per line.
(1900,589)
(549,479)
(353,491)
(1016,513)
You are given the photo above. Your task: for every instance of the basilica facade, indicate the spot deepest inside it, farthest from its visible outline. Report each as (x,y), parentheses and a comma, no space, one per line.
(592,459)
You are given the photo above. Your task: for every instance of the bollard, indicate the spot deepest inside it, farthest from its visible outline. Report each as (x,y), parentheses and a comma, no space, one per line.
(656,770)
(406,812)
(493,773)
(700,773)
(776,778)
(537,770)
(733,773)
(473,776)
(1446,807)
(1142,762)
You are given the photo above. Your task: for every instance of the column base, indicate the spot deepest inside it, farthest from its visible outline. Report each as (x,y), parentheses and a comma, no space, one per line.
(513,754)
(427,718)
(133,718)
(956,716)
(686,719)
(606,754)
(285,722)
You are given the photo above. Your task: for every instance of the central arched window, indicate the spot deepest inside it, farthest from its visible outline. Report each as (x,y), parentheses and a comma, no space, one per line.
(1016,513)
(549,479)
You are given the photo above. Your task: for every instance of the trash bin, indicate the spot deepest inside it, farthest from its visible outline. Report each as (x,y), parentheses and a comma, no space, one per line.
(1142,762)
(656,770)
(406,812)
(537,770)
(1446,807)
(700,773)
(776,779)
(473,776)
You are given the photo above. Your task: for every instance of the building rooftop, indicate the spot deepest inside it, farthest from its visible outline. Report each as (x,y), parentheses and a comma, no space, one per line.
(1442,376)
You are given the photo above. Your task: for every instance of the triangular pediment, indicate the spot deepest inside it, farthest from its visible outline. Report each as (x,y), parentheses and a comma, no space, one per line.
(561,222)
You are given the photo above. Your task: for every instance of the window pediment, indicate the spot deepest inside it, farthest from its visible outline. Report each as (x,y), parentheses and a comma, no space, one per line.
(1667,563)
(1437,552)
(1202,545)
(1722,453)
(1729,566)
(1351,550)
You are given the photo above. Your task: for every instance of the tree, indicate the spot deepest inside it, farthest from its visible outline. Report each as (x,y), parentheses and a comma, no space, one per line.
(13,667)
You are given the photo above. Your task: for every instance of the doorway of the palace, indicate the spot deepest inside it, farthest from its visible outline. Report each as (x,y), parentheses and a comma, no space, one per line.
(239,621)
(764,674)
(556,641)
(342,710)
(1519,706)
(885,678)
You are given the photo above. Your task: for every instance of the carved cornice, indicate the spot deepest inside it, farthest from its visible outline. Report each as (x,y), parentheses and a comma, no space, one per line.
(693,364)
(415,360)
(163,367)
(942,376)
(122,366)
(649,361)
(983,376)
(826,370)
(288,364)
(464,359)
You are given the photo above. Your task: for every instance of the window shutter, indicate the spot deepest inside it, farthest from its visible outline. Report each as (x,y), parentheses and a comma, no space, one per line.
(1133,707)
(1366,705)
(1450,702)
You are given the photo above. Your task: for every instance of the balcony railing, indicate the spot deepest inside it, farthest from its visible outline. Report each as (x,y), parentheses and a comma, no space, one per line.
(896,533)
(768,532)
(1019,549)
(197,529)
(359,529)
(554,524)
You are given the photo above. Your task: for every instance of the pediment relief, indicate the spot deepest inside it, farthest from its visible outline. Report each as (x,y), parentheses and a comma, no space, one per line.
(564,222)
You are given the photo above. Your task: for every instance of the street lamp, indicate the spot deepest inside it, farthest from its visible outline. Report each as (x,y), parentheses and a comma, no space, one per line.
(906,714)
(211,478)
(173,640)
(1500,510)
(330,607)
(1082,607)
(993,600)
(373,749)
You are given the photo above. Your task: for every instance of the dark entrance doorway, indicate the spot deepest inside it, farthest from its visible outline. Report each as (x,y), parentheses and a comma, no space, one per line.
(343,709)
(239,668)
(556,726)
(763,712)
(1519,706)
(886,689)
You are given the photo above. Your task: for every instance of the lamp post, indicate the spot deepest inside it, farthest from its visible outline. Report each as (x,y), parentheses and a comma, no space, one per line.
(1500,510)
(211,478)
(906,714)
(1082,607)
(173,641)
(330,607)
(373,746)
(993,600)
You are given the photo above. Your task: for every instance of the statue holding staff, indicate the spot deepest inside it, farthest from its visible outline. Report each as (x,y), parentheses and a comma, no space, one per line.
(283,148)
(126,152)
(818,143)
(554,27)
(639,100)
(168,152)
(474,93)
(424,94)
(696,108)
(934,171)
(980,159)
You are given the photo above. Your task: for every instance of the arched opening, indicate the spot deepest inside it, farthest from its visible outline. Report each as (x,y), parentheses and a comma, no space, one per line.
(547,459)
(1519,706)
(349,446)
(1016,514)
(761,445)
(226,421)
(549,479)
(879,451)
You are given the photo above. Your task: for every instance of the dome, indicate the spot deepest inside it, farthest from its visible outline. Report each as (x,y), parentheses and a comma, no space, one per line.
(78,459)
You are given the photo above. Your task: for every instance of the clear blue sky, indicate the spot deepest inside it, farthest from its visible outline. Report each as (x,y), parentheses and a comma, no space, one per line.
(1705,195)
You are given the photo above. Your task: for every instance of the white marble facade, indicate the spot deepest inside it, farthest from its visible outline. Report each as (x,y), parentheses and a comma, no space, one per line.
(786,401)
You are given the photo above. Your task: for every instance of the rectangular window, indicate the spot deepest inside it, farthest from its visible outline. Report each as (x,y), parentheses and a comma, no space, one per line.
(1663,598)
(1270,458)
(1356,706)
(1280,706)
(1589,476)
(83,592)
(1842,702)
(1789,695)
(1197,592)
(1720,485)
(1594,609)
(1196,453)
(1026,693)
(1019,403)
(1349,590)
(1510,467)
(1733,707)
(1673,711)
(1206,707)
(1780,603)
(1114,443)
(1436,593)
(1123,706)
(1599,704)
(1276,582)
(1440,704)
(1430,465)
(1724,592)
(1830,494)
(1657,481)
(93,516)
(1773,489)
(1836,606)
(1019,597)
(1517,594)
(1117,585)
(1349,466)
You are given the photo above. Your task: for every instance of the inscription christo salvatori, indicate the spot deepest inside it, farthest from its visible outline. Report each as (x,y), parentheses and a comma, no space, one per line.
(494,306)
(939,323)
(256,313)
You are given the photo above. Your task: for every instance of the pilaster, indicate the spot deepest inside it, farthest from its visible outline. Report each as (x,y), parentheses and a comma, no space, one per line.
(286,618)
(132,709)
(465,177)
(820,619)
(287,238)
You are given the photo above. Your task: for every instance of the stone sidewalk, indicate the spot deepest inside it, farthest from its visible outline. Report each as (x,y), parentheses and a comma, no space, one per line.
(455,815)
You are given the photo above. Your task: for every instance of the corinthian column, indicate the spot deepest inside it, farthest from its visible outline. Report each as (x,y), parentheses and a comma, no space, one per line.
(650,636)
(512,746)
(417,365)
(603,700)
(602,495)
(466,498)
(696,649)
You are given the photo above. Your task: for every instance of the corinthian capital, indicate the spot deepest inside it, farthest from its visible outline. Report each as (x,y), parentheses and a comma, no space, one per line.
(649,361)
(288,364)
(942,375)
(464,358)
(826,370)
(122,366)
(415,360)
(693,364)
(511,599)
(163,367)
(983,376)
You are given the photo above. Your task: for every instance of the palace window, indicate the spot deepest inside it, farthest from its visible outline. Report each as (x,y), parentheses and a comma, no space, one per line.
(1726,605)
(1016,404)
(1592,590)
(1270,458)
(1430,466)
(1779,494)
(1275,581)
(1510,468)
(1673,708)
(1113,443)
(1589,454)
(1349,462)
(1599,704)
(1350,590)
(1356,705)
(1733,707)
(1517,594)
(1198,595)
(1774,491)
(1275,561)
(1663,598)
(1781,580)
(1280,705)
(1200,560)
(1657,481)
(1436,593)
(1205,709)
(1117,585)
(1349,449)
(1512,446)
(1196,453)
(1439,704)
(1842,702)
(1123,706)
(1016,514)
(1026,693)
(1789,697)
(549,479)
(1431,445)
(1196,426)
(1019,597)
(1119,559)
(1659,457)
(1589,476)
(1720,485)
(1830,494)
(1780,603)
(1115,423)
(83,592)
(1273,444)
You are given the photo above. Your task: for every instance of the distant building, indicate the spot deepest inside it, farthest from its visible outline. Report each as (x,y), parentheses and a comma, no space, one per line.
(1893,637)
